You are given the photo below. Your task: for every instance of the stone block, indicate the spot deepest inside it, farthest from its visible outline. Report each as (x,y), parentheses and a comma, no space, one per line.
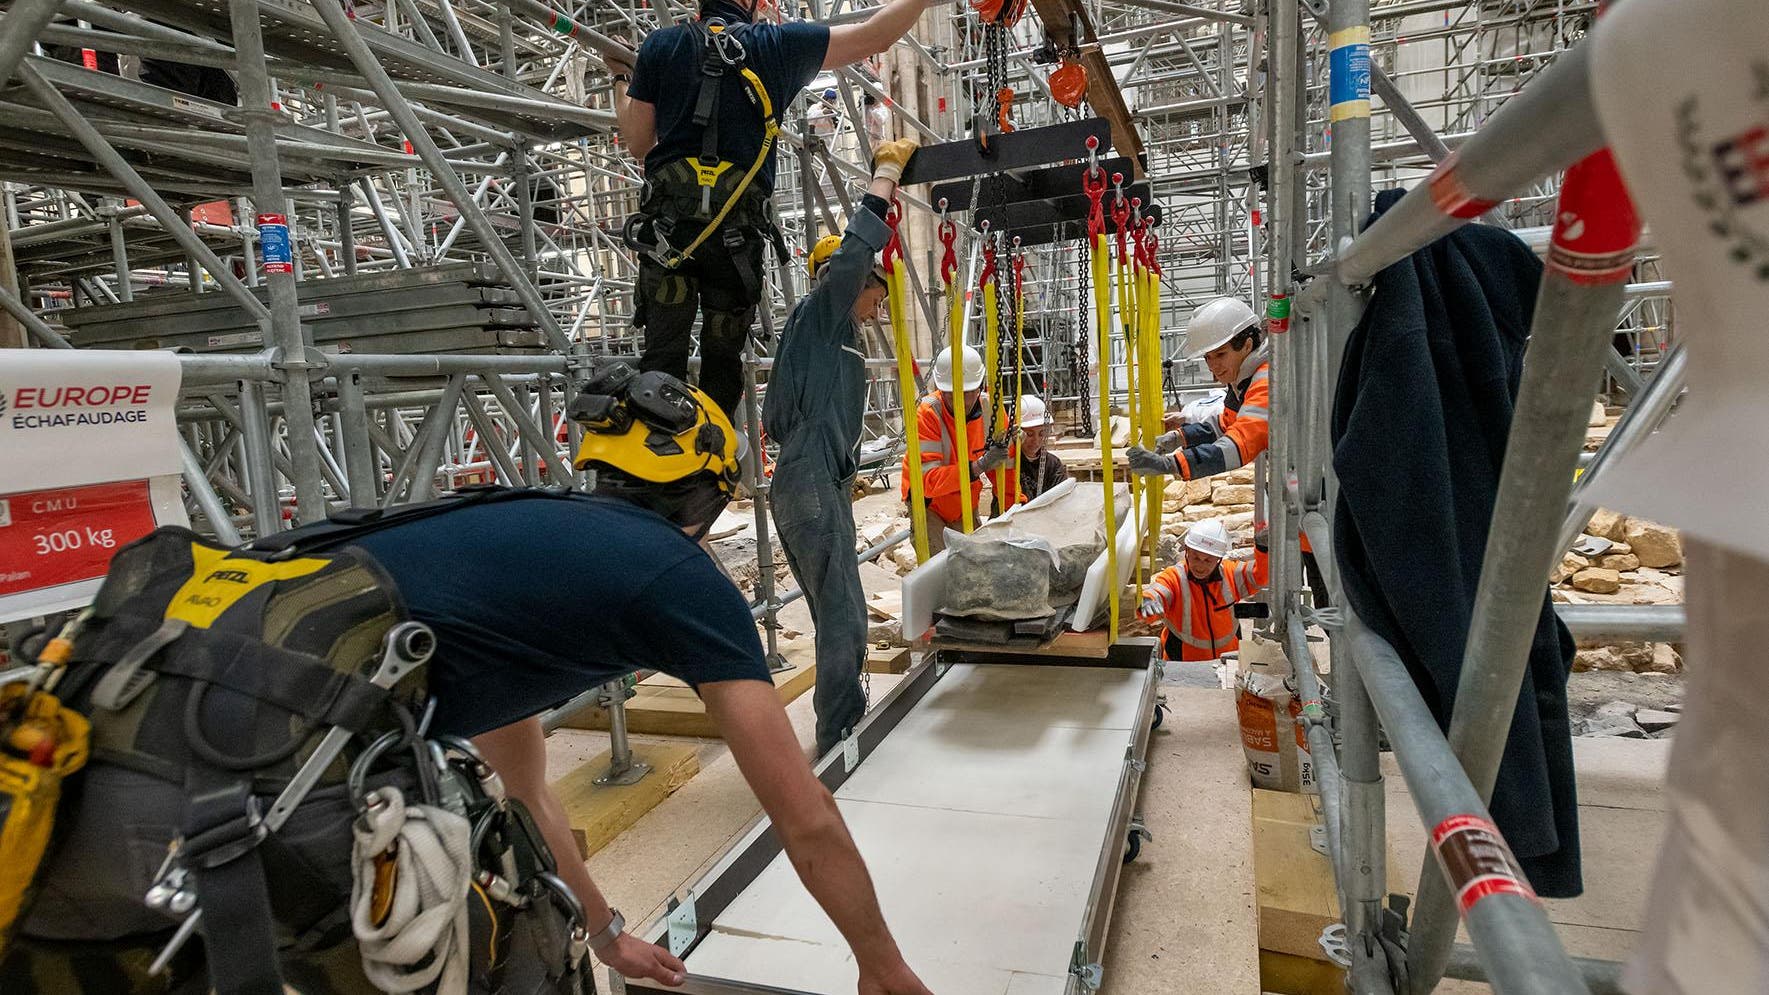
(1620,562)
(1239,475)
(1597,580)
(1654,720)
(1656,545)
(1665,660)
(1199,512)
(1610,525)
(1599,416)
(1232,494)
(1570,564)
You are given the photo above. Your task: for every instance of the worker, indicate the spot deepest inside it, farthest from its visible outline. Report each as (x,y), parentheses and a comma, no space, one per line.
(1040,469)
(701,107)
(1229,337)
(937,430)
(634,589)
(816,399)
(1196,598)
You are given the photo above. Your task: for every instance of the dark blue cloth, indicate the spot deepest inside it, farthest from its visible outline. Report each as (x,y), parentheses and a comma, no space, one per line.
(786,57)
(1420,421)
(539,599)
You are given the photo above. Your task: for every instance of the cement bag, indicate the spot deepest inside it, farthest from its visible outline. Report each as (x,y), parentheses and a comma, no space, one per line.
(999,575)
(1272,732)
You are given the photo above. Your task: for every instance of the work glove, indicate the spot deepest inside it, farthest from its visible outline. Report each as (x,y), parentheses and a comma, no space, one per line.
(1169,442)
(1154,602)
(994,458)
(1147,462)
(889,158)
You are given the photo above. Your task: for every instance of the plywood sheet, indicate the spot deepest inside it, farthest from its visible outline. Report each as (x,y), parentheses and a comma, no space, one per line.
(981,819)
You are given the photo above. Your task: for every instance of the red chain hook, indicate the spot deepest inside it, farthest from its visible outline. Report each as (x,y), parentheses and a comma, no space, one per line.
(948,261)
(988,273)
(1120,216)
(893,249)
(1093,184)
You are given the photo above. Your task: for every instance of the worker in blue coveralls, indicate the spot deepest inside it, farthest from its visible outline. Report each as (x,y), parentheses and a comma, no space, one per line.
(816,397)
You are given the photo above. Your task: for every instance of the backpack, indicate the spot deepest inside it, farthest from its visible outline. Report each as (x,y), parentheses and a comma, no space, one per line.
(214,679)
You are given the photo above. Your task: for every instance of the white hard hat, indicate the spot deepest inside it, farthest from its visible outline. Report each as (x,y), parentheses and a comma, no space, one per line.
(973,369)
(1032,412)
(1215,323)
(1208,537)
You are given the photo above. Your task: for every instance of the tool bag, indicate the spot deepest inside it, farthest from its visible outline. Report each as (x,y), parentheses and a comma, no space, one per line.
(211,677)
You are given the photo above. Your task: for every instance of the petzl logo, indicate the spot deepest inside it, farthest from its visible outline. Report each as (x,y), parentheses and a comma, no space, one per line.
(1729,176)
(231,576)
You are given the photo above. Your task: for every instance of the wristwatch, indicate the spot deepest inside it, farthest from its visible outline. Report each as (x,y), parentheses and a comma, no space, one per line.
(603,940)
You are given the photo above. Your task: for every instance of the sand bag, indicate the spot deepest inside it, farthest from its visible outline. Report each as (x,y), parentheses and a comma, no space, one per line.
(1272,732)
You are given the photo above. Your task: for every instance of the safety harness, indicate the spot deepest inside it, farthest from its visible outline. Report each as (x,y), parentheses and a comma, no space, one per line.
(651,231)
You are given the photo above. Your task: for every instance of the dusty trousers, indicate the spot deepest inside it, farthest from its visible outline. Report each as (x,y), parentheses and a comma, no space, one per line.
(815,519)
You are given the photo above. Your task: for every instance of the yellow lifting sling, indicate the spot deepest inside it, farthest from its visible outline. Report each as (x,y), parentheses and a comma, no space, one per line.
(906,392)
(1094,184)
(955,343)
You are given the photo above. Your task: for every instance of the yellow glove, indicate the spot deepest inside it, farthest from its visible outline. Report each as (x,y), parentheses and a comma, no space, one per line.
(889,158)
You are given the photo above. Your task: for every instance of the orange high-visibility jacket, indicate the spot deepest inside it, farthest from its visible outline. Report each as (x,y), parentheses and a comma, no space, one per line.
(1200,616)
(1242,433)
(939,459)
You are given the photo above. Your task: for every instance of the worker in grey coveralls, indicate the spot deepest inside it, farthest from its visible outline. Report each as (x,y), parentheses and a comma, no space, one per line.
(815,400)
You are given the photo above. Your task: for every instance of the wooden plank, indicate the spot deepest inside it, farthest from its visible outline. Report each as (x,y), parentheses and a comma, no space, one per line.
(892,660)
(1288,974)
(600,812)
(664,706)
(1297,899)
(1103,94)
(1092,645)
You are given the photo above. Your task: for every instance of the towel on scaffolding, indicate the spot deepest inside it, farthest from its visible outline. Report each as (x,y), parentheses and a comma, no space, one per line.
(1420,419)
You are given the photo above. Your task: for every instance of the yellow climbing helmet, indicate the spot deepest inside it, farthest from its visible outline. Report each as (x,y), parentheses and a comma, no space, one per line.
(654,429)
(821,252)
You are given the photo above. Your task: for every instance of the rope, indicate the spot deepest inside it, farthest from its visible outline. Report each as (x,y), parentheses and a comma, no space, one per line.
(422,936)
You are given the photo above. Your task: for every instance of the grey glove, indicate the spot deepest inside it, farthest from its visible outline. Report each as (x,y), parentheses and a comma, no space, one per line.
(1147,462)
(994,458)
(1169,442)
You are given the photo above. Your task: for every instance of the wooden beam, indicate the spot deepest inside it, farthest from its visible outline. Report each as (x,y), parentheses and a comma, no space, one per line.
(1102,87)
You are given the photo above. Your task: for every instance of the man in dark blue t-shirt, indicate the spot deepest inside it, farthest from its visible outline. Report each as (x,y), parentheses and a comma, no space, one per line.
(537,596)
(721,278)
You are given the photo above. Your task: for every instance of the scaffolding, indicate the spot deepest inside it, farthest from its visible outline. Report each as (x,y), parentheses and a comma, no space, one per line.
(411,136)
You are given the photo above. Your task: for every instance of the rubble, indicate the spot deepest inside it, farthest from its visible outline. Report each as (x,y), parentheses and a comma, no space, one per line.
(1608,525)
(1654,720)
(1597,580)
(1616,719)
(1232,494)
(1654,544)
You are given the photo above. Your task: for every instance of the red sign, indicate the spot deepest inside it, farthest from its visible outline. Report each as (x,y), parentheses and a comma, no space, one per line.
(54,537)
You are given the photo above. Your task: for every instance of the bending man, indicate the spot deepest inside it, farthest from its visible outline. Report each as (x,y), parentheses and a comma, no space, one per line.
(816,398)
(1195,599)
(635,590)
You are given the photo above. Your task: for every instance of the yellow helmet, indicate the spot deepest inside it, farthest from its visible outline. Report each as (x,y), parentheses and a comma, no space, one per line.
(656,431)
(821,252)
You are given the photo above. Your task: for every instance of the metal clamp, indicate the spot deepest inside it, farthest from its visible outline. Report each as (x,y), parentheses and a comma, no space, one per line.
(1086,970)
(683,927)
(1333,944)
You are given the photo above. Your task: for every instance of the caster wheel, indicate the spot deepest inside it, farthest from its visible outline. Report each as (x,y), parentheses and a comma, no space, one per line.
(1133,846)
(1160,717)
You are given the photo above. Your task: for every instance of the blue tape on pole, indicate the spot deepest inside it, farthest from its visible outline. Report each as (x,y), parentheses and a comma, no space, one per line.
(1348,88)
(274,249)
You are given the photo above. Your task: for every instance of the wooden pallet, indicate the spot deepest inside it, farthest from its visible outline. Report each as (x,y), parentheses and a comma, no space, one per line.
(664,706)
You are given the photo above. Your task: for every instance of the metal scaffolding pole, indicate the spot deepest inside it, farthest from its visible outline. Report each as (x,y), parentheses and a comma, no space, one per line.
(19,31)
(1365,829)
(1589,261)
(444,173)
(285,319)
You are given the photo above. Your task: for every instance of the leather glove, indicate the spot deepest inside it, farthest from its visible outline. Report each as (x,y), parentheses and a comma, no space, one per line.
(889,158)
(1154,602)
(994,458)
(1169,442)
(1148,462)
